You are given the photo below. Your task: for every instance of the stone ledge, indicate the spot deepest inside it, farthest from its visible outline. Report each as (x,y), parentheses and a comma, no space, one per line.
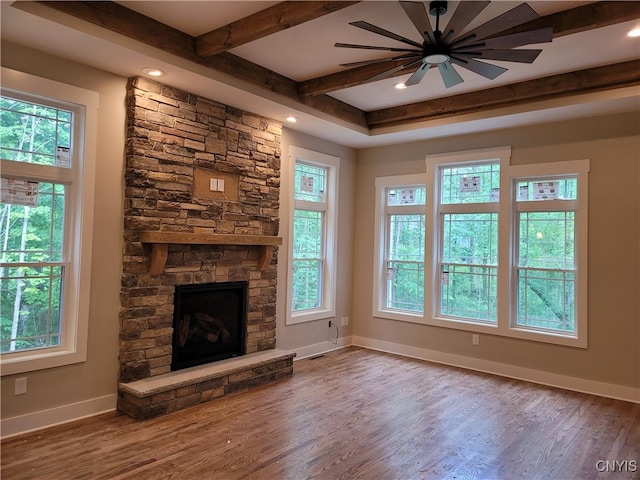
(189,376)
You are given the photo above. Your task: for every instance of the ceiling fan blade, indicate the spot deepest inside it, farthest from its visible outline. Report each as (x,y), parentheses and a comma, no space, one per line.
(388,73)
(520,56)
(540,35)
(373,47)
(449,75)
(417,13)
(464,14)
(385,33)
(381,60)
(417,75)
(485,69)
(514,17)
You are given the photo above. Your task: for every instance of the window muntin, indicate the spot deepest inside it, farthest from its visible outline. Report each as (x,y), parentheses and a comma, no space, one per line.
(400,241)
(310,183)
(308,236)
(34,133)
(405,251)
(470,183)
(547,189)
(308,260)
(313,236)
(469,266)
(468,241)
(545,269)
(32,269)
(32,232)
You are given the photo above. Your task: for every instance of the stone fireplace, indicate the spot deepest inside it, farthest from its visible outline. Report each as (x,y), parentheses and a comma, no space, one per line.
(202,187)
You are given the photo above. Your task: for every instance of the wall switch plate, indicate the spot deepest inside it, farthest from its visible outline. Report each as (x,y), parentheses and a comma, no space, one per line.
(475,339)
(213,184)
(20,387)
(344,321)
(221,185)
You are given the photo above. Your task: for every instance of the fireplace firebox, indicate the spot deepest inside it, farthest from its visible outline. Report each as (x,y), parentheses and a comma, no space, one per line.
(209,323)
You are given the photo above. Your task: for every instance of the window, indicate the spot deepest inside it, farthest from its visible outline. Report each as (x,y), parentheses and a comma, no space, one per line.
(45,221)
(468,241)
(508,246)
(313,237)
(400,246)
(545,267)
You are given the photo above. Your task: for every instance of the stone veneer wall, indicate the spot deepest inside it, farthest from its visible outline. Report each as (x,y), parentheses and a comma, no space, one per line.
(170,133)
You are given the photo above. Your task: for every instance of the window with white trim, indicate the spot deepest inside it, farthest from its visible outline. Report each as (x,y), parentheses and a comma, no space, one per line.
(468,241)
(545,265)
(45,221)
(508,246)
(399,243)
(313,236)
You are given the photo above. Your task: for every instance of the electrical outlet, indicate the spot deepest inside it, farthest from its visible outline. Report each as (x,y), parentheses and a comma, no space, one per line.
(475,339)
(20,387)
(344,321)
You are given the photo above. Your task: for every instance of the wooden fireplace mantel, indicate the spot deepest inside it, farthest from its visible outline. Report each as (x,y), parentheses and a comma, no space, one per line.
(160,245)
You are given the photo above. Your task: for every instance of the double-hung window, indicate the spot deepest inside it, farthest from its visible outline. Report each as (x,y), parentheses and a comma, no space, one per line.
(400,246)
(544,270)
(45,222)
(468,241)
(507,246)
(313,236)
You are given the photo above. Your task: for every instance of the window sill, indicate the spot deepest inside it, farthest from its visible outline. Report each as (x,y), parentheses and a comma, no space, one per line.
(30,361)
(310,316)
(401,316)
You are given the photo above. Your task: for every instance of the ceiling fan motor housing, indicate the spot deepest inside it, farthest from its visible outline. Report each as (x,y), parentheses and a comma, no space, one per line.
(438,8)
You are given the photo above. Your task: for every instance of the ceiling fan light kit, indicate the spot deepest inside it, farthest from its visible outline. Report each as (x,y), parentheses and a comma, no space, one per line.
(443,48)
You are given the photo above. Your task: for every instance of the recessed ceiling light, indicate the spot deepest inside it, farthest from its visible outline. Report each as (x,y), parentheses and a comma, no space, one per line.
(400,86)
(292,119)
(154,72)
(634,33)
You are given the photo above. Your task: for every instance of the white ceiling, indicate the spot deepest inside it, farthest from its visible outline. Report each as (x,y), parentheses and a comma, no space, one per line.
(306,51)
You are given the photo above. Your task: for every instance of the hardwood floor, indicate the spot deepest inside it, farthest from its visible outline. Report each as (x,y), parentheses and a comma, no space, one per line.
(352,414)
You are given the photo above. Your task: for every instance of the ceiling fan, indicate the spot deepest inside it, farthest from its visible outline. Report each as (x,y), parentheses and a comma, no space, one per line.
(442,48)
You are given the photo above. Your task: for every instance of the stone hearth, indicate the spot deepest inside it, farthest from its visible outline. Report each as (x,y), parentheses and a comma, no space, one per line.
(178,144)
(154,396)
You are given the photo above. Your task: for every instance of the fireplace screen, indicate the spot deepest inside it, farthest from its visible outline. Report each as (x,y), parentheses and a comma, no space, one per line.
(208,323)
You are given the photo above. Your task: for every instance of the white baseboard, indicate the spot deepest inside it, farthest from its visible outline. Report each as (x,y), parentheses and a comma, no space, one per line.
(592,387)
(320,348)
(56,416)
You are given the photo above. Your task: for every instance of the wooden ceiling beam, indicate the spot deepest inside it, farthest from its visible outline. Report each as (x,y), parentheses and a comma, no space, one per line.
(574,20)
(583,18)
(265,22)
(119,19)
(591,80)
(348,78)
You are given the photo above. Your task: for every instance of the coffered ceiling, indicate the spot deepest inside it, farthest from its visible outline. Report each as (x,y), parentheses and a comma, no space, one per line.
(279,59)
